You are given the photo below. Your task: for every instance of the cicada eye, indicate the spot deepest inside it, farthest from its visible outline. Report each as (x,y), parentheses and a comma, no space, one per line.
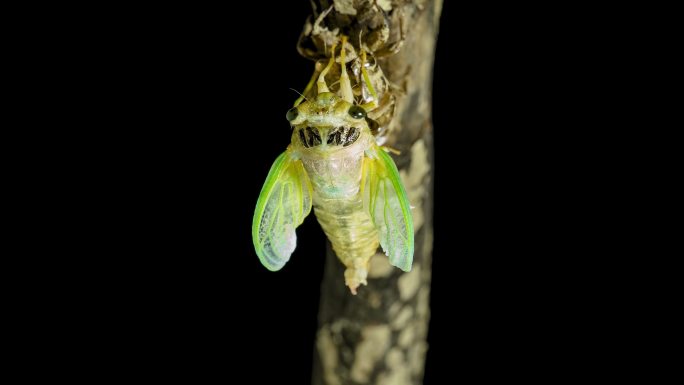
(357,112)
(292,114)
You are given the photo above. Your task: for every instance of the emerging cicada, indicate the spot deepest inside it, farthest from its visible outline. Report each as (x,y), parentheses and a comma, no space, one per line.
(335,164)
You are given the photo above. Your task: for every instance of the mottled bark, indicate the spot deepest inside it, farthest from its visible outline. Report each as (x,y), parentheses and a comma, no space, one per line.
(379,336)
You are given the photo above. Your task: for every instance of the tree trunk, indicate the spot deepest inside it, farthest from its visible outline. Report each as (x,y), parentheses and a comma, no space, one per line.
(379,336)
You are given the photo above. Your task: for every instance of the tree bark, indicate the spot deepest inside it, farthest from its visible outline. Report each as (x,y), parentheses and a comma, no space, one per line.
(379,336)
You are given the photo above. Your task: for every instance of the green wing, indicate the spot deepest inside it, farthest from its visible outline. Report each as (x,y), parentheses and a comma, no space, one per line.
(284,202)
(385,199)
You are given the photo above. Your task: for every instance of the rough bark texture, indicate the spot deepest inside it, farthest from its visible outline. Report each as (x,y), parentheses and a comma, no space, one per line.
(379,336)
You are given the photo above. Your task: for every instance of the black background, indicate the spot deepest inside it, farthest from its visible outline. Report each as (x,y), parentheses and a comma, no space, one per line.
(194,120)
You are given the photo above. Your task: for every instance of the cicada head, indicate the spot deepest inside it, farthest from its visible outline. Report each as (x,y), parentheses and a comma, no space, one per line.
(326,123)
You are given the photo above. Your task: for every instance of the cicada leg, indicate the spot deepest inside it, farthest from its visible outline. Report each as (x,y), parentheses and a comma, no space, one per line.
(370,106)
(345,83)
(322,86)
(391,149)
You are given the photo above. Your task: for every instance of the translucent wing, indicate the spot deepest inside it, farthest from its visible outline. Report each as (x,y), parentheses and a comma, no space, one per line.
(284,202)
(385,199)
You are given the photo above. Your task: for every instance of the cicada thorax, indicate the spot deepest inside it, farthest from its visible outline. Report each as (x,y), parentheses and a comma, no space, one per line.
(380,115)
(335,136)
(328,123)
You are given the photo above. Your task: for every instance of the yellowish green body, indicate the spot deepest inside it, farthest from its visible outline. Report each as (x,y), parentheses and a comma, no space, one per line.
(334,164)
(335,172)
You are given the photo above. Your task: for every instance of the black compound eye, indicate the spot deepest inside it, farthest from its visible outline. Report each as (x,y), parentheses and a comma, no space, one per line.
(357,112)
(292,114)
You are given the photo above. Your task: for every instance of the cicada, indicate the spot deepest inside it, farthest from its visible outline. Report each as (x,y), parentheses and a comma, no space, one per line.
(335,164)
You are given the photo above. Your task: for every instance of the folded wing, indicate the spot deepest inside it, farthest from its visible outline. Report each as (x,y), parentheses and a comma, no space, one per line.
(385,199)
(284,202)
